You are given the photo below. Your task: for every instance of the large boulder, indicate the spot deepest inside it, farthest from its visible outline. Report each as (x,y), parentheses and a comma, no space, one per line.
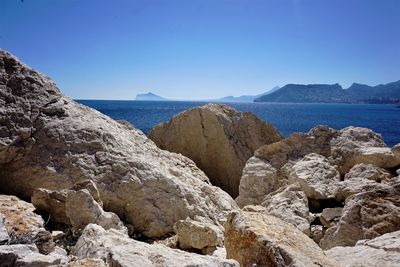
(365,216)
(49,141)
(318,179)
(258,180)
(218,139)
(193,234)
(118,249)
(354,145)
(361,178)
(257,239)
(380,251)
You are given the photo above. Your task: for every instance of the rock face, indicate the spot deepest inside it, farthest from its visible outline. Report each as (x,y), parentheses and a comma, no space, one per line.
(380,251)
(117,249)
(365,216)
(19,219)
(218,139)
(256,239)
(49,141)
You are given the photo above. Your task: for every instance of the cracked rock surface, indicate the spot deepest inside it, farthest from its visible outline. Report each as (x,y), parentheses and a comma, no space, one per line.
(218,138)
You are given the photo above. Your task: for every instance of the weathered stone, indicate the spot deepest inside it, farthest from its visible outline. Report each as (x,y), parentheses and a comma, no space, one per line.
(118,249)
(298,145)
(361,178)
(365,216)
(91,187)
(198,235)
(381,251)
(317,232)
(82,209)
(330,216)
(44,242)
(53,202)
(218,139)
(291,205)
(318,179)
(354,145)
(28,256)
(49,141)
(257,239)
(368,171)
(258,180)
(19,218)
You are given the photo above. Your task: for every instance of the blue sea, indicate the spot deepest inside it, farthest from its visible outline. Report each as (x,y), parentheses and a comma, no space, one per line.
(286,117)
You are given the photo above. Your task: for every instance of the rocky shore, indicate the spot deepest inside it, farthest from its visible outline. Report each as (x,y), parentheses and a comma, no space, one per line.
(211,187)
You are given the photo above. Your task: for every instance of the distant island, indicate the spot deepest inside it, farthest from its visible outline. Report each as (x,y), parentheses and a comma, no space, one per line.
(150,97)
(244,98)
(334,93)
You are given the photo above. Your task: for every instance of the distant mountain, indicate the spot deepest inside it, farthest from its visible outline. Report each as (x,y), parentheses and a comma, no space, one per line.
(244,98)
(150,97)
(334,93)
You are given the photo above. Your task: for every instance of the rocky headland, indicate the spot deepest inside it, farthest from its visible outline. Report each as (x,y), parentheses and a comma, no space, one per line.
(78,188)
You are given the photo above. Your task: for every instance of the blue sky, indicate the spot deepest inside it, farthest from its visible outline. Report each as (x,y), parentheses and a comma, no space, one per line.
(193,49)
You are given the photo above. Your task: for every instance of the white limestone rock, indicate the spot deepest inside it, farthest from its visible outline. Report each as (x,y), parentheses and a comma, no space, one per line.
(49,141)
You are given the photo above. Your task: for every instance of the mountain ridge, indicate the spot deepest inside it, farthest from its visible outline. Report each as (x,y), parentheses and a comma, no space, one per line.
(334,93)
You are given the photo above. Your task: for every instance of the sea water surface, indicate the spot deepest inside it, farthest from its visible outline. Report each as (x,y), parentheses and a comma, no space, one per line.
(286,117)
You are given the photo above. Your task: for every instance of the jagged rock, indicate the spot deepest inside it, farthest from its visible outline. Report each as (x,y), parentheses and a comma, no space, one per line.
(342,149)
(291,205)
(82,209)
(19,218)
(4,237)
(330,216)
(354,145)
(49,141)
(361,178)
(28,256)
(368,171)
(258,180)
(91,187)
(198,235)
(218,139)
(318,179)
(76,208)
(381,251)
(365,216)
(257,239)
(117,249)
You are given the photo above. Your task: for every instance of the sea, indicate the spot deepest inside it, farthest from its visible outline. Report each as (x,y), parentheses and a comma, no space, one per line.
(286,117)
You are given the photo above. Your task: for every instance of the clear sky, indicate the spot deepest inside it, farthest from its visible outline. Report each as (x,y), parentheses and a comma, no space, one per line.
(193,49)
